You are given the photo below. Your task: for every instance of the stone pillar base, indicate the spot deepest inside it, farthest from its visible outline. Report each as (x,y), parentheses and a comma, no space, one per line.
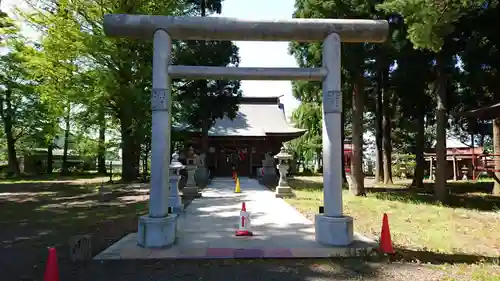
(157,232)
(284,192)
(334,231)
(191,191)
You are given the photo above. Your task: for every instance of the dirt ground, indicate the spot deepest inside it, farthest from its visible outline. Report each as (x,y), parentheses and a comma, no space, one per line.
(36,214)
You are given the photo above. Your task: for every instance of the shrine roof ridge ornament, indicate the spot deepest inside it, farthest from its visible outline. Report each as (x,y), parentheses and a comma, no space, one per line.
(232,29)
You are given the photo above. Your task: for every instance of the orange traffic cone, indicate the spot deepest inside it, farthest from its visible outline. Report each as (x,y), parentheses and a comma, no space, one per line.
(244,224)
(52,268)
(385,237)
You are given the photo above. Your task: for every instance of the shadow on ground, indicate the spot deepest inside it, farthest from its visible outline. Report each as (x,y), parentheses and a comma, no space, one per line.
(51,177)
(442,258)
(226,269)
(462,195)
(466,201)
(37,215)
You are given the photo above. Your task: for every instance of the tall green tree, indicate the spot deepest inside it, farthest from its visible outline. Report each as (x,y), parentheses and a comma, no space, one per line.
(480,83)
(125,64)
(204,101)
(411,80)
(20,107)
(430,22)
(353,64)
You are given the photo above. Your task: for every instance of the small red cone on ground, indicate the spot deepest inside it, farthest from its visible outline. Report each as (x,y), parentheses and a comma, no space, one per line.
(244,223)
(52,268)
(385,237)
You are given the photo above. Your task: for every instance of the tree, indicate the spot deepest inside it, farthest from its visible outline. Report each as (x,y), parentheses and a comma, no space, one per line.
(353,63)
(308,116)
(411,80)
(205,101)
(430,22)
(480,59)
(20,107)
(124,64)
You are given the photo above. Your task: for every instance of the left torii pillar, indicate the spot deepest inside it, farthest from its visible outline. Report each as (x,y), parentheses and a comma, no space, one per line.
(158,228)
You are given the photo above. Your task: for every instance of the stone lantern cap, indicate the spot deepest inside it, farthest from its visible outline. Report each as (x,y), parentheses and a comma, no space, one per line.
(176,164)
(283,155)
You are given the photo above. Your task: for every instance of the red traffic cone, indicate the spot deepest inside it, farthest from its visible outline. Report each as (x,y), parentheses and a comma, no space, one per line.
(244,223)
(385,237)
(52,268)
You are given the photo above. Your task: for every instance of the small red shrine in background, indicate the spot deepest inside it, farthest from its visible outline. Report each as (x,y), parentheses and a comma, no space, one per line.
(347,155)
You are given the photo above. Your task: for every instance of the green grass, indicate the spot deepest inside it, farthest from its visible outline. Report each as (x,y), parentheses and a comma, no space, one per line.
(421,229)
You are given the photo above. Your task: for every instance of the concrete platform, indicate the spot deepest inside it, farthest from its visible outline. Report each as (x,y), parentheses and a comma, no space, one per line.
(206,229)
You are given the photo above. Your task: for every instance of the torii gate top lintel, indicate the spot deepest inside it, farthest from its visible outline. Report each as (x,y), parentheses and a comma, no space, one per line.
(231,29)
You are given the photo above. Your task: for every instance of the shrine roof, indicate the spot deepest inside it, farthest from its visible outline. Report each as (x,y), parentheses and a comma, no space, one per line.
(256,117)
(487,112)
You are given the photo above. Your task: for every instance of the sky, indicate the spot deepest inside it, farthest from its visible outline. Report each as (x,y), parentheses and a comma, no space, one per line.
(252,54)
(264,54)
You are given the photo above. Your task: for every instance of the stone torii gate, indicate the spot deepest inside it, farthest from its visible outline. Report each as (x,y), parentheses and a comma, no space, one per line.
(158,228)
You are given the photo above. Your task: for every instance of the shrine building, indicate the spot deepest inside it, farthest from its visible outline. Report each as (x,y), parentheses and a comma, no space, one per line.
(260,127)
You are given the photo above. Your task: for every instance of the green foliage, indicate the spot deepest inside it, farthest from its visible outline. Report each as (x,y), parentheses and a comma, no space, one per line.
(430,21)
(403,164)
(308,116)
(201,102)
(21,109)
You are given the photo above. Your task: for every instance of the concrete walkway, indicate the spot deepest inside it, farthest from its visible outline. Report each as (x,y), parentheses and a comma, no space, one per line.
(206,229)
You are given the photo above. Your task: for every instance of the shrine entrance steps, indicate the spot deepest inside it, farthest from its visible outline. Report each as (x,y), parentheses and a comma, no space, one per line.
(207,226)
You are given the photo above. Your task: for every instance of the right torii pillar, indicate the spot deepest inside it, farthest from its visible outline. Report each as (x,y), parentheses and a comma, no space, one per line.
(332,227)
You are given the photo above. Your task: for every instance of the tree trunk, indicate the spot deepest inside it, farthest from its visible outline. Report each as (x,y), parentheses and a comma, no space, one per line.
(203,7)
(101,158)
(204,138)
(319,162)
(65,168)
(137,155)
(12,154)
(496,148)
(379,168)
(7,117)
(145,166)
(441,120)
(386,127)
(418,177)
(129,160)
(357,176)
(11,149)
(50,157)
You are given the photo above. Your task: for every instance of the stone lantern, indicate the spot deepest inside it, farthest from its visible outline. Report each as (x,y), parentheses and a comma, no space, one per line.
(465,171)
(283,190)
(201,174)
(174,199)
(191,189)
